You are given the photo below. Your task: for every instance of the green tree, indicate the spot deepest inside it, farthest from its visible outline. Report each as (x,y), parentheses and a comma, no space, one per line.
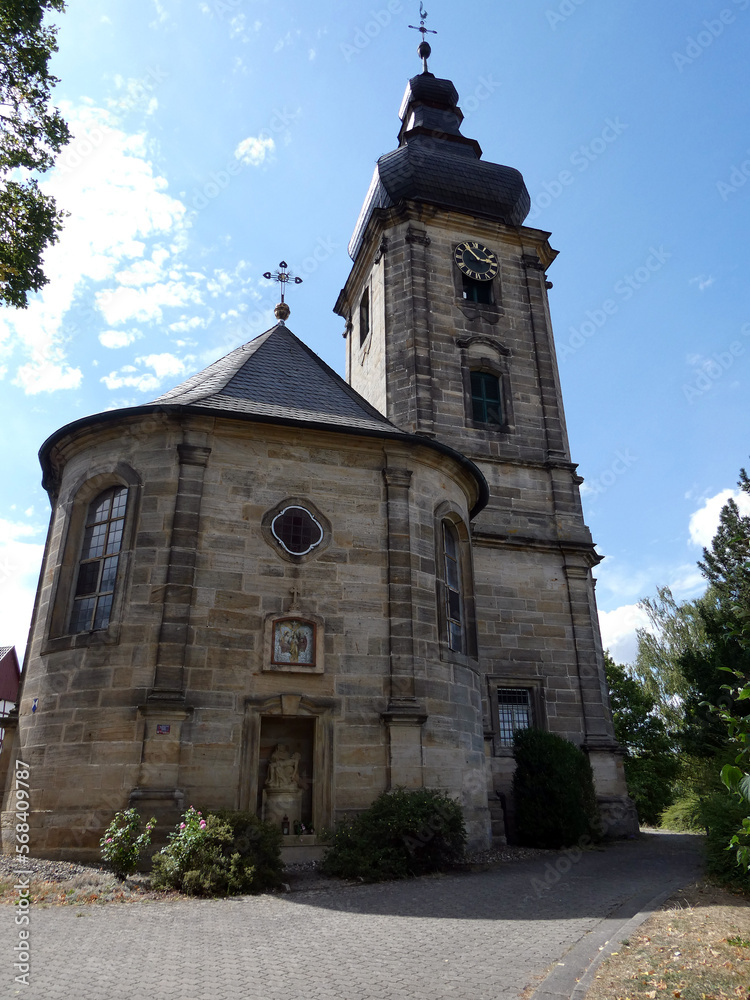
(674,629)
(651,764)
(31,135)
(727,565)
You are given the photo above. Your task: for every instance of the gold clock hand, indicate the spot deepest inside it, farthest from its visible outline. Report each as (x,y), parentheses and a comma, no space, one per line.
(484,260)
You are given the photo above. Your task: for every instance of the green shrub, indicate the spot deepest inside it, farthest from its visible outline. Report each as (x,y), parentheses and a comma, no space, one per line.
(684,815)
(123,842)
(403,833)
(220,855)
(722,815)
(258,844)
(553,788)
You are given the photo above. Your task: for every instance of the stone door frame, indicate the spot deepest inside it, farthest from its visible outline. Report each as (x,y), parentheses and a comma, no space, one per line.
(290,706)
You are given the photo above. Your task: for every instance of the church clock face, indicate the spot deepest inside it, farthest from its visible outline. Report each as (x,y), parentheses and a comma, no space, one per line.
(476,261)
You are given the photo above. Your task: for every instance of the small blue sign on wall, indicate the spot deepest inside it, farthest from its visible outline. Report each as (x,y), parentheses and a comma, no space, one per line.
(162,730)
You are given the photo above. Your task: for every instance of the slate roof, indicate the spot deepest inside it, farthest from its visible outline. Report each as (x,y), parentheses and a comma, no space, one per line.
(277,376)
(436,163)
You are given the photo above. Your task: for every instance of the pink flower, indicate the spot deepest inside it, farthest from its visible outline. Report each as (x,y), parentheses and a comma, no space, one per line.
(182,826)
(203,824)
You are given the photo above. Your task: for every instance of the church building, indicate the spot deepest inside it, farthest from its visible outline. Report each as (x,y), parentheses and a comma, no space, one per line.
(278,590)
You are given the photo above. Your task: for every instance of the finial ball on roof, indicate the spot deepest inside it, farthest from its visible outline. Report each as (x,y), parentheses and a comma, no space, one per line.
(282,311)
(424,50)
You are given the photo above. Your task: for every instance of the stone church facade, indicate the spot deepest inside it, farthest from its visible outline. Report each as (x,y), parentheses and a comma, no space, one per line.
(275,589)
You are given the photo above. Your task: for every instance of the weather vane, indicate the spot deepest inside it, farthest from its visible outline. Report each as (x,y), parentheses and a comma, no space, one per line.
(424,49)
(283,276)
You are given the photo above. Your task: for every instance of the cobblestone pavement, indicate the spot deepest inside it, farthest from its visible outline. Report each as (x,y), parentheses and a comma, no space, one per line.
(483,936)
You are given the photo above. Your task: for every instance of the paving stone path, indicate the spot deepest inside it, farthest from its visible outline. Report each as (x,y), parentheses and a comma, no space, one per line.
(484,936)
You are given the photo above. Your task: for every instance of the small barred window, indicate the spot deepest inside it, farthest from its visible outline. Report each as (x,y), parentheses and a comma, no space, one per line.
(514,711)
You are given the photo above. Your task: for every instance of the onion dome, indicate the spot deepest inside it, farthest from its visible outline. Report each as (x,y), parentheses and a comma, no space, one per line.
(436,164)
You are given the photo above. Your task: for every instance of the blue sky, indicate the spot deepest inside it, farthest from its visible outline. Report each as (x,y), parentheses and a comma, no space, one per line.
(214,138)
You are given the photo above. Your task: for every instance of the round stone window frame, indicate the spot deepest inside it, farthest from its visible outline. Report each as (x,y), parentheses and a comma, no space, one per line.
(273,540)
(283,544)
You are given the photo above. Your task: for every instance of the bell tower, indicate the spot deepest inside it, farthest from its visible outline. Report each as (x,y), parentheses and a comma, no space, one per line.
(448,334)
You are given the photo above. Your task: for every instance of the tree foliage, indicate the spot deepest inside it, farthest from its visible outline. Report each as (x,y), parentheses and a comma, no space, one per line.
(651,764)
(31,135)
(686,660)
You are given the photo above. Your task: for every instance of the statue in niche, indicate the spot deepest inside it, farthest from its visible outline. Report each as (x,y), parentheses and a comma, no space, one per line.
(283,769)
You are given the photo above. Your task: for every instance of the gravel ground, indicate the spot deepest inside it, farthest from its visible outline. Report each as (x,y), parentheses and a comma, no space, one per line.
(67,882)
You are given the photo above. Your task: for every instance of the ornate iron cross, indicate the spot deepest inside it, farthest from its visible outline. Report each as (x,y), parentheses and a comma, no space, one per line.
(283,276)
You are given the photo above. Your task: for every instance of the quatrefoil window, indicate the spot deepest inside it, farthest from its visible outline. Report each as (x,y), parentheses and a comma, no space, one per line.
(296,530)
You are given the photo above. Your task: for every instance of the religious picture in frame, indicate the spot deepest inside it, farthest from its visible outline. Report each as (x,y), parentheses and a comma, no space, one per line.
(293,642)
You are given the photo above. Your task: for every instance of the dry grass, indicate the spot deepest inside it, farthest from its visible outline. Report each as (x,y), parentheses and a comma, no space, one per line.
(697,947)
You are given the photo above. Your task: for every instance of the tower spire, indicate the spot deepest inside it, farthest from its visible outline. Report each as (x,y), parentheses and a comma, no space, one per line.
(424,49)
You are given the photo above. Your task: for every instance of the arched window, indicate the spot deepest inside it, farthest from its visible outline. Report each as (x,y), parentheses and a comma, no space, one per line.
(486,399)
(454,616)
(364,316)
(97,568)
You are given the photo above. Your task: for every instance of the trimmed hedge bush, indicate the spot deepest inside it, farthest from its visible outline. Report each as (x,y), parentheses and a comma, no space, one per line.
(403,833)
(221,854)
(553,787)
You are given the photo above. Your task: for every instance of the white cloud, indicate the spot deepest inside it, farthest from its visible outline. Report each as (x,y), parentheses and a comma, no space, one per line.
(311,54)
(705,520)
(117,206)
(702,282)
(253,151)
(161,13)
(237,25)
(118,338)
(618,631)
(185,324)
(144,305)
(143,382)
(163,364)
(287,39)
(20,560)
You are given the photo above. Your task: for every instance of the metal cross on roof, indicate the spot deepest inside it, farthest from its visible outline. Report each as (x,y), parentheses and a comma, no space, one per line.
(283,276)
(424,49)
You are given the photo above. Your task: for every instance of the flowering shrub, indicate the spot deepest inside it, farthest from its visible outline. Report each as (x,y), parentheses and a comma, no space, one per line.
(123,842)
(214,856)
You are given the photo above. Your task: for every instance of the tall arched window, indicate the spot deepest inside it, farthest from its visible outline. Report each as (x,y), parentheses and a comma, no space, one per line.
(453,591)
(97,568)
